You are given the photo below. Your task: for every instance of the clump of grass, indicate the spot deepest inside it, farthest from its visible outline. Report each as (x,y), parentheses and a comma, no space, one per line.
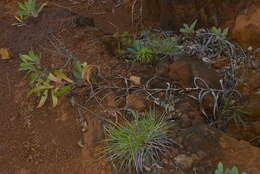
(167,46)
(137,143)
(231,109)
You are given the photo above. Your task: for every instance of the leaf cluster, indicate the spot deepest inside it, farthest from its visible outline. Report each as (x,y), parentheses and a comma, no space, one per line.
(189,29)
(141,53)
(218,31)
(44,83)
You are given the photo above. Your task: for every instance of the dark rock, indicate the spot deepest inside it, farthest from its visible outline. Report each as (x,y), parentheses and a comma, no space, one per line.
(84,21)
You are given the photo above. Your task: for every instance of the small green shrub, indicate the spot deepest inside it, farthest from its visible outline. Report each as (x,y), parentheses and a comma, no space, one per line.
(166,46)
(189,29)
(136,143)
(28,8)
(232,110)
(220,170)
(141,53)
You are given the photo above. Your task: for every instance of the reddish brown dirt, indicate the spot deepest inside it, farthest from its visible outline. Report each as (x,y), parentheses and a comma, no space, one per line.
(43,140)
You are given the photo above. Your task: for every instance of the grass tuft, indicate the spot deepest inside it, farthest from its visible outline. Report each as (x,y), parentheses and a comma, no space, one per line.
(137,143)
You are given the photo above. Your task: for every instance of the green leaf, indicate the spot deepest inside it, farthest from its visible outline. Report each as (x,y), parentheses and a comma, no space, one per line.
(186,26)
(63,91)
(61,75)
(137,45)
(22,5)
(234,170)
(77,75)
(25,57)
(22,13)
(43,99)
(182,30)
(220,167)
(131,50)
(40,88)
(225,32)
(214,30)
(32,4)
(77,66)
(192,27)
(54,98)
(53,78)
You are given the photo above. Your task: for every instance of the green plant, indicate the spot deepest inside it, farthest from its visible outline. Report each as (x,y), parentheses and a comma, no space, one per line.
(30,62)
(85,72)
(57,84)
(140,53)
(220,170)
(232,110)
(42,82)
(77,70)
(189,29)
(222,34)
(28,8)
(136,143)
(164,46)
(123,40)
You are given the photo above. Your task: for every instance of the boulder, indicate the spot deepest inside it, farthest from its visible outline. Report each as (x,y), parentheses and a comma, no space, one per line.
(246,30)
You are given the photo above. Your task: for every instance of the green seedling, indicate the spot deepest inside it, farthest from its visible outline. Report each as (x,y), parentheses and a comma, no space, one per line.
(232,111)
(30,62)
(218,31)
(189,29)
(29,8)
(220,170)
(140,53)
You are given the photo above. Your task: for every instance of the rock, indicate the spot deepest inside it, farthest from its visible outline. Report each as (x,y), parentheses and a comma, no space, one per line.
(240,154)
(183,161)
(5,53)
(94,134)
(221,61)
(253,107)
(181,72)
(186,68)
(135,80)
(83,21)
(110,100)
(253,79)
(171,14)
(246,30)
(137,102)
